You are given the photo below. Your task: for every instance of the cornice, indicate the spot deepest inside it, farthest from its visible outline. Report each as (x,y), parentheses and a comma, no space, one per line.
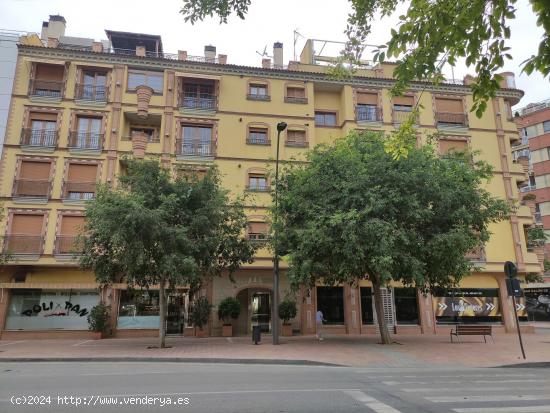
(237,70)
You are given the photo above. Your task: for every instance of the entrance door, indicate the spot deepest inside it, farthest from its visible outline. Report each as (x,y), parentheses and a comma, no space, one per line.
(175,314)
(261,310)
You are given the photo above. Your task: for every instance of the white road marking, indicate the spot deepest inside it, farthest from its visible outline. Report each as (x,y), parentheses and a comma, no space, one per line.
(371,402)
(524,409)
(491,398)
(13,342)
(81,342)
(229,339)
(464,389)
(395,383)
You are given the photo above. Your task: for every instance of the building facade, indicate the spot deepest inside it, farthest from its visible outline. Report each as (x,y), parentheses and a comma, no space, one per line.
(79,107)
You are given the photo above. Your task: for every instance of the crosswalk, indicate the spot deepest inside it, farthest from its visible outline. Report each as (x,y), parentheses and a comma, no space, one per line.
(476,391)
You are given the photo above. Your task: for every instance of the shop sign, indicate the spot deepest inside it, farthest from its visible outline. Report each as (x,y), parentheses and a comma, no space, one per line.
(466,306)
(55,309)
(537,303)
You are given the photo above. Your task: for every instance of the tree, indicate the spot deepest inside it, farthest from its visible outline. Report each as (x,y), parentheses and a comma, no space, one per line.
(154,230)
(354,211)
(429,33)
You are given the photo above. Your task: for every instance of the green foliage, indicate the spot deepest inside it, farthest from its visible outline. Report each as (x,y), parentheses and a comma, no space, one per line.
(546,265)
(229,308)
(428,35)
(529,197)
(536,236)
(355,211)
(199,312)
(287,310)
(98,319)
(533,277)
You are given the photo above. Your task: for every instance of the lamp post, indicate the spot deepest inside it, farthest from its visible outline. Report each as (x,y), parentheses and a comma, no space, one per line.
(281,126)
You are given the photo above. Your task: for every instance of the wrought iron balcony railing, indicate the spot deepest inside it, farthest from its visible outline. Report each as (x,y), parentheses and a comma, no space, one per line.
(257,140)
(450,119)
(400,116)
(96,93)
(79,190)
(368,113)
(195,147)
(294,99)
(296,143)
(68,244)
(258,188)
(85,140)
(23,244)
(31,188)
(41,138)
(198,101)
(46,88)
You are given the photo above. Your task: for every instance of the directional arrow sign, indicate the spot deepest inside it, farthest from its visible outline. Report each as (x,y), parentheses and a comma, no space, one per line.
(490,306)
(442,306)
(520,307)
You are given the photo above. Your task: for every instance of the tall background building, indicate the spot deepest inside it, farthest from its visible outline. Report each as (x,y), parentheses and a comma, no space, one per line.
(80,106)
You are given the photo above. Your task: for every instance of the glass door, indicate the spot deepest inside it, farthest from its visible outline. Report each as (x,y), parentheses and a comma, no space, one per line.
(175,314)
(261,311)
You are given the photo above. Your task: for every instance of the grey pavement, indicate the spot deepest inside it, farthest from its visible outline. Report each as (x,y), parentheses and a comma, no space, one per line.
(145,386)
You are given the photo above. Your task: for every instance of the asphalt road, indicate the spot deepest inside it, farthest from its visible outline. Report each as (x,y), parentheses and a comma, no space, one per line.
(212,388)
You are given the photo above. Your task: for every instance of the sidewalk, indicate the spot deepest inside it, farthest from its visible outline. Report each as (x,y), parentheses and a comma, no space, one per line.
(357,351)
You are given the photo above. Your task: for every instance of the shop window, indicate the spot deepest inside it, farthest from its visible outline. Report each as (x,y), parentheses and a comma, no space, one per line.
(467,305)
(138,309)
(367,314)
(155,80)
(330,300)
(406,305)
(50,309)
(325,118)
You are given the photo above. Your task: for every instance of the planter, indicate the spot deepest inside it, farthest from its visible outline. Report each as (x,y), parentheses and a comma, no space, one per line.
(144,94)
(189,332)
(139,144)
(287,330)
(97,335)
(227,330)
(201,332)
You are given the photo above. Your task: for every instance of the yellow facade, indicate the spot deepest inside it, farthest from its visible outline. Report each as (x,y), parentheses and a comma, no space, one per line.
(234,114)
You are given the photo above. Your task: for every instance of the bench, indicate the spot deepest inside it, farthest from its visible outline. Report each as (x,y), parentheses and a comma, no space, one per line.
(472,330)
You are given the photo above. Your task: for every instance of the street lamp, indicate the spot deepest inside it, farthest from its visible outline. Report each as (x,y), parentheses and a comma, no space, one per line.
(281,126)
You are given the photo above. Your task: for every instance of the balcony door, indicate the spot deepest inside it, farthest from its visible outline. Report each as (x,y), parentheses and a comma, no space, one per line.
(88,133)
(197,140)
(93,85)
(198,95)
(42,133)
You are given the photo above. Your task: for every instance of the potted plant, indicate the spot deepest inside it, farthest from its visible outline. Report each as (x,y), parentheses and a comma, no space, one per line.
(98,320)
(199,315)
(228,309)
(287,311)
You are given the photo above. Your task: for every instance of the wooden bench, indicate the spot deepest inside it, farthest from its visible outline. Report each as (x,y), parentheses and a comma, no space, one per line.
(472,330)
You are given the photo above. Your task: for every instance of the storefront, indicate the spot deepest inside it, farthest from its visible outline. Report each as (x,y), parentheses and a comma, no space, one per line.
(537,304)
(467,305)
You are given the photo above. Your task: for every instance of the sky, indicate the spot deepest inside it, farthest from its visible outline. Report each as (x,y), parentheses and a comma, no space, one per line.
(268,21)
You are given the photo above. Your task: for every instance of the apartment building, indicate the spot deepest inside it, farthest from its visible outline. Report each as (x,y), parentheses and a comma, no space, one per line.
(80,107)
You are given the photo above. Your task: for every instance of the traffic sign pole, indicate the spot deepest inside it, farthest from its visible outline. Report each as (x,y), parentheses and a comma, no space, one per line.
(517,324)
(511,271)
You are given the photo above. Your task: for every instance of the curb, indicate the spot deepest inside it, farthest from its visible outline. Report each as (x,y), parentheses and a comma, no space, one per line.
(169,360)
(530,365)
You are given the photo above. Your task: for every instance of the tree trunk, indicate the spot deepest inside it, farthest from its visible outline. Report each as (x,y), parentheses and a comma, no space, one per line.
(162,310)
(379,306)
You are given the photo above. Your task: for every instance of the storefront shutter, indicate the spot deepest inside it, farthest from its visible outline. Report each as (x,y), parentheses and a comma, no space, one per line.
(27,224)
(367,98)
(71,225)
(35,170)
(82,172)
(449,105)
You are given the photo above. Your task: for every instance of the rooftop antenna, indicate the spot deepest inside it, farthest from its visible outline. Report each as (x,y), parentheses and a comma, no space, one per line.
(296,37)
(264,53)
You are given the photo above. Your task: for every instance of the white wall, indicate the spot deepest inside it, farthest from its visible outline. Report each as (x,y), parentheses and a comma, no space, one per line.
(8,58)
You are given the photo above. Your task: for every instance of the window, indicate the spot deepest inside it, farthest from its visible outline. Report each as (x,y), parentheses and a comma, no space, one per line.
(92,86)
(195,141)
(450,112)
(296,138)
(542,181)
(198,95)
(295,95)
(448,145)
(367,314)
(325,118)
(33,180)
(406,305)
(139,309)
(257,136)
(88,133)
(25,236)
(257,231)
(257,183)
(47,81)
(330,300)
(81,181)
(367,109)
(155,80)
(67,240)
(42,131)
(546,126)
(258,92)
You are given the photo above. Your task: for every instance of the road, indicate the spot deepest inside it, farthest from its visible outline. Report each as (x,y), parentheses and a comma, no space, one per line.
(212,388)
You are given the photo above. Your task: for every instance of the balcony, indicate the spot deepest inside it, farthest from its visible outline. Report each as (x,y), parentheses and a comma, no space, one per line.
(85,141)
(294,99)
(44,139)
(256,140)
(527,188)
(538,217)
(195,148)
(79,191)
(368,114)
(400,116)
(258,188)
(477,255)
(68,245)
(448,120)
(92,93)
(23,244)
(258,237)
(197,102)
(254,96)
(32,188)
(51,89)
(296,143)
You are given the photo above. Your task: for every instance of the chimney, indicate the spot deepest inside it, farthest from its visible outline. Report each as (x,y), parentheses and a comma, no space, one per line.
(56,26)
(222,59)
(44,32)
(182,55)
(210,53)
(278,55)
(266,63)
(97,47)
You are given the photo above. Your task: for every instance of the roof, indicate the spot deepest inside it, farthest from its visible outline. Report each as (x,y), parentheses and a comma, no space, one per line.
(128,40)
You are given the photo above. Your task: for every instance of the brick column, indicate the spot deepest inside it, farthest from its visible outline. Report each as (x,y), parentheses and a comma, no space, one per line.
(307,313)
(5,295)
(506,306)
(426,313)
(168,120)
(352,309)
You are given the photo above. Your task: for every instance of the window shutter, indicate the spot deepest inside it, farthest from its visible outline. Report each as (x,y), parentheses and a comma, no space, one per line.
(257,227)
(367,98)
(403,100)
(296,92)
(446,145)
(27,224)
(51,117)
(82,173)
(297,135)
(35,170)
(71,225)
(449,105)
(49,72)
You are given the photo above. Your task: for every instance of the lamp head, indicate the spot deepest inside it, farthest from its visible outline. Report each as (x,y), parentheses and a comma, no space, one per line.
(281,126)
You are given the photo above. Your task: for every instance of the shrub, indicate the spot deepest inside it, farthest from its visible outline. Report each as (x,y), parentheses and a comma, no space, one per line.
(98,319)
(200,312)
(229,308)
(287,310)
